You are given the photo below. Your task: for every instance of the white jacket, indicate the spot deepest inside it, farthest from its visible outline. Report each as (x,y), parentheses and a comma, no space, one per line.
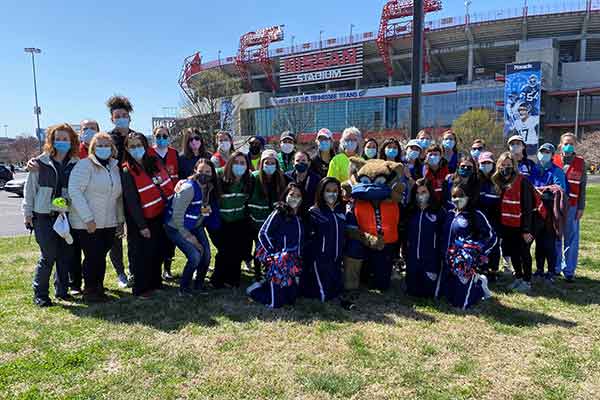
(96,194)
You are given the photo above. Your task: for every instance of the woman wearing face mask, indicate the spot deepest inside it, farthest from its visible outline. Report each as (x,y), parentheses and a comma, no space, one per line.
(97,210)
(193,150)
(517,207)
(435,170)
(48,182)
(449,145)
(194,208)
(167,155)
(468,240)
(477,148)
(489,204)
(303,177)
(287,144)
(425,220)
(268,185)
(147,190)
(233,239)
(325,152)
(370,149)
(527,168)
(340,164)
(89,128)
(322,274)
(425,140)
(465,174)
(390,150)
(412,158)
(224,143)
(280,250)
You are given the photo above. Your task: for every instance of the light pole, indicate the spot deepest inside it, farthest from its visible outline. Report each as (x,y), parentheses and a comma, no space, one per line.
(417,64)
(351,38)
(293,38)
(37,110)
(219,57)
(321,39)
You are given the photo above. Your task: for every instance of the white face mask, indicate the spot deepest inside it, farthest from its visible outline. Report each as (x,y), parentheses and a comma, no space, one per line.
(330,197)
(460,202)
(293,201)
(287,148)
(225,146)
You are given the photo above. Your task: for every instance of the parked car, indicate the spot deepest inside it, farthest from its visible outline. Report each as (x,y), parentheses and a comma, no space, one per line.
(16,186)
(5,175)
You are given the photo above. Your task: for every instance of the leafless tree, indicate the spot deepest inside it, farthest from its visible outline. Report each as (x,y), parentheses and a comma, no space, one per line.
(24,148)
(589,148)
(296,118)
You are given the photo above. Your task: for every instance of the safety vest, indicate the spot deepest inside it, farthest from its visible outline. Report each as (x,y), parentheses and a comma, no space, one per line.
(193,212)
(154,191)
(510,206)
(436,178)
(171,162)
(574,174)
(383,220)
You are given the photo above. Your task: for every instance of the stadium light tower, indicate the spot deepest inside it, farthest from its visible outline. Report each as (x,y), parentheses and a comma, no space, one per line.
(37,109)
(417,63)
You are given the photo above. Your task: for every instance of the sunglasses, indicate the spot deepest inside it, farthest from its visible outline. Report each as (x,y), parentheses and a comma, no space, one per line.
(162,136)
(477,148)
(196,138)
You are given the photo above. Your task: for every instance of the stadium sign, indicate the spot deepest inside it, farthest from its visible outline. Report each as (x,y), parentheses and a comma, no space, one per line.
(167,122)
(522,101)
(321,66)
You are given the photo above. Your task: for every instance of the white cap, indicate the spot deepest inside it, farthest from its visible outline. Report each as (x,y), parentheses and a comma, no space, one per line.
(325,132)
(414,142)
(516,137)
(268,154)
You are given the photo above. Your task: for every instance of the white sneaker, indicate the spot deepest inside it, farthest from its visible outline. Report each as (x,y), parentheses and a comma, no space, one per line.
(484,285)
(253,287)
(524,287)
(507,266)
(123,282)
(248,265)
(516,283)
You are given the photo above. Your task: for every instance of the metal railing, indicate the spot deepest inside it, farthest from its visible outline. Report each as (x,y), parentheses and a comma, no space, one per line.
(542,8)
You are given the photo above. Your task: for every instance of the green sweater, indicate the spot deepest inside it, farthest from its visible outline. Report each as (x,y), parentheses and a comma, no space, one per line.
(258,204)
(232,203)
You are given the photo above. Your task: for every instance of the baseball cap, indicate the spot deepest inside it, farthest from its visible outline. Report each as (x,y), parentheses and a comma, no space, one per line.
(548,146)
(268,154)
(486,156)
(516,137)
(287,135)
(325,132)
(414,142)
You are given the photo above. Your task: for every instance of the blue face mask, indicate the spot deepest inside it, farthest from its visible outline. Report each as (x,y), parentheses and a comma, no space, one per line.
(371,152)
(103,153)
(448,144)
(391,152)
(475,154)
(62,146)
(137,152)
(465,172)
(568,149)
(412,155)
(122,123)
(350,145)
(301,167)
(324,145)
(268,169)
(486,168)
(425,143)
(162,142)
(238,169)
(544,158)
(434,160)
(87,135)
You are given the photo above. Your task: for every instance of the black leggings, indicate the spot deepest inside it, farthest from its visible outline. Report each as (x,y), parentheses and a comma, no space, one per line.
(146,256)
(95,247)
(232,242)
(519,252)
(545,250)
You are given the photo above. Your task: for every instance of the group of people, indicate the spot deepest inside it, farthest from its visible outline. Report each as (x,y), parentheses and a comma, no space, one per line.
(313,225)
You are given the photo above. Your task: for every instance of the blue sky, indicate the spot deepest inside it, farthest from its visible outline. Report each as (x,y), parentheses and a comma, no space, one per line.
(93,49)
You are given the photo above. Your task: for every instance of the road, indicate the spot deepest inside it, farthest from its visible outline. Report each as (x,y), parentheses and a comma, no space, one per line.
(11,217)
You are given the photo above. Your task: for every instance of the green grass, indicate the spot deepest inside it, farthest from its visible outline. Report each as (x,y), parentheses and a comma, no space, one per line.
(543,346)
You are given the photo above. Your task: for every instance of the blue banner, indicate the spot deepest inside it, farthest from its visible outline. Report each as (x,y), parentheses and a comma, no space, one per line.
(227,109)
(523,100)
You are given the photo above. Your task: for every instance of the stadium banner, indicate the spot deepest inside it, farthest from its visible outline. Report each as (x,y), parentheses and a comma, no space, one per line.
(227,109)
(389,91)
(167,122)
(322,66)
(522,101)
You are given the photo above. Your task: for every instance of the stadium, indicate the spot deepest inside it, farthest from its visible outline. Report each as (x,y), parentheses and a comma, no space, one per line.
(364,79)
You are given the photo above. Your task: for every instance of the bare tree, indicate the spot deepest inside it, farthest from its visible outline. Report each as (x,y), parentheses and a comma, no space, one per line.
(24,148)
(589,148)
(296,118)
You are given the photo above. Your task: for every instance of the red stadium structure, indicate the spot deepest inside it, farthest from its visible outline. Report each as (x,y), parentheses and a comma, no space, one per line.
(249,54)
(388,31)
(191,66)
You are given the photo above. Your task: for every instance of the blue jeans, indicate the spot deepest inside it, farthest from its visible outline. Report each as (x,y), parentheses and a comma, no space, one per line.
(570,236)
(197,260)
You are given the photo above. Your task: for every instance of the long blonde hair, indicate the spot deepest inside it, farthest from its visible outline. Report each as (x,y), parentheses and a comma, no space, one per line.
(497,178)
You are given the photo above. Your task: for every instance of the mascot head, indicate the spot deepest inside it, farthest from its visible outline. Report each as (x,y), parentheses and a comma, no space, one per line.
(376,180)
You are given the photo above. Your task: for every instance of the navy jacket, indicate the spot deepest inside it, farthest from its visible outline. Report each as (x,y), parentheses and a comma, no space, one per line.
(489,201)
(325,234)
(281,233)
(308,187)
(424,233)
(457,226)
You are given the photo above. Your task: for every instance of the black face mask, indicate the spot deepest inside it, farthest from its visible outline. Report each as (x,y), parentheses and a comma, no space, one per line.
(506,172)
(204,179)
(254,150)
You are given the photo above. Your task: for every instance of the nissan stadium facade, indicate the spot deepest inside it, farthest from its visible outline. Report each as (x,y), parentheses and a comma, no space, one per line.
(364,79)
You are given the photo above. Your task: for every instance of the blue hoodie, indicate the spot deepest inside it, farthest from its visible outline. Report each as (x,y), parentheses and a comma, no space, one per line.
(281,233)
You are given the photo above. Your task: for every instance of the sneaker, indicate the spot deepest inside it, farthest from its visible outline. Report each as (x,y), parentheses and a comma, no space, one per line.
(524,287)
(506,264)
(75,291)
(42,302)
(253,287)
(123,282)
(516,283)
(66,297)
(249,266)
(569,279)
(484,285)
(167,276)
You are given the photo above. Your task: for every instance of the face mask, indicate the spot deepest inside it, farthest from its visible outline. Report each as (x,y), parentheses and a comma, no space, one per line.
(544,157)
(425,143)
(516,148)
(506,171)
(103,153)
(122,123)
(62,146)
(423,199)
(269,169)
(287,148)
(293,201)
(465,172)
(238,169)
(330,197)
(412,155)
(301,167)
(568,149)
(203,179)
(225,146)
(255,149)
(162,142)
(350,145)
(390,152)
(460,202)
(324,145)
(371,152)
(137,153)
(486,168)
(448,144)
(87,135)
(433,160)
(475,154)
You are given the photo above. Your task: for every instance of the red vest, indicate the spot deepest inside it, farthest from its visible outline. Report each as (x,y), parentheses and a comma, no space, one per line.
(390,218)
(83,151)
(171,163)
(574,174)
(510,206)
(152,199)
(436,178)
(218,160)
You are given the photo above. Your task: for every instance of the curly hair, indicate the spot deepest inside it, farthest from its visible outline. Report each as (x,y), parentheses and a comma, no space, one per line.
(119,102)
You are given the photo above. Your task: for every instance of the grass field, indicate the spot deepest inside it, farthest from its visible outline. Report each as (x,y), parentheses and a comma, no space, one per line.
(542,346)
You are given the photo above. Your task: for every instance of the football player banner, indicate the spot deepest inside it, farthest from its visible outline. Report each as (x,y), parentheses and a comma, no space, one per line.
(522,101)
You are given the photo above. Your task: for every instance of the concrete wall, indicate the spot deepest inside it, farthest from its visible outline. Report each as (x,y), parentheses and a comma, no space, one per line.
(579,75)
(546,51)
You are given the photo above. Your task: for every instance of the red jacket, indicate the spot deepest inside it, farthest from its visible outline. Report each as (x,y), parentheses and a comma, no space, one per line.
(83,151)
(436,178)
(171,162)
(154,191)
(574,174)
